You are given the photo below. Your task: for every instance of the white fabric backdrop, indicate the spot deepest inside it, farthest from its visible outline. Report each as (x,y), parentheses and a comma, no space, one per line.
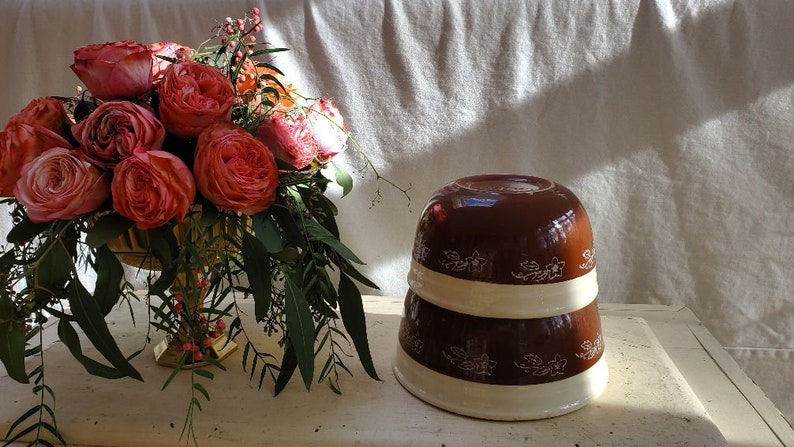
(672,122)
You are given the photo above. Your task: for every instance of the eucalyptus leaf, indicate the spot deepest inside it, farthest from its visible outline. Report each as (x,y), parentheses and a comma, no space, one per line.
(69,337)
(257,267)
(319,233)
(55,265)
(89,317)
(107,228)
(288,225)
(343,178)
(209,215)
(355,274)
(109,275)
(352,310)
(26,230)
(288,364)
(12,342)
(300,327)
(267,232)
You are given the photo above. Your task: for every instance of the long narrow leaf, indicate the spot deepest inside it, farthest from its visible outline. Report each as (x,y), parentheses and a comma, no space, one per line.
(318,233)
(89,317)
(12,342)
(25,230)
(69,337)
(300,328)
(107,228)
(288,364)
(352,310)
(257,267)
(109,274)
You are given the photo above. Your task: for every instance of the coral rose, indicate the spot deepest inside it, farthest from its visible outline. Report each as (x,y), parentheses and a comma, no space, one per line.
(19,144)
(114,70)
(168,50)
(234,170)
(59,184)
(45,112)
(192,97)
(289,136)
(151,188)
(114,129)
(328,129)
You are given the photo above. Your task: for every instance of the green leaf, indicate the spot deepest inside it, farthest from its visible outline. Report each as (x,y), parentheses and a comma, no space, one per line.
(322,209)
(54,431)
(55,265)
(69,337)
(209,215)
(318,233)
(34,410)
(267,232)
(355,274)
(289,226)
(204,373)
(175,370)
(352,310)
(200,388)
(300,327)
(257,267)
(109,274)
(288,364)
(26,230)
(343,178)
(107,228)
(12,342)
(89,317)
(164,247)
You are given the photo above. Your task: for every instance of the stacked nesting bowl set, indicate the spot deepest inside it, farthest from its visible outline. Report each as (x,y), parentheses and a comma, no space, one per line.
(501,320)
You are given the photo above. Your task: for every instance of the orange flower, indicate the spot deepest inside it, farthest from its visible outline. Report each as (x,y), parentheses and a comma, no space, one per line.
(249,81)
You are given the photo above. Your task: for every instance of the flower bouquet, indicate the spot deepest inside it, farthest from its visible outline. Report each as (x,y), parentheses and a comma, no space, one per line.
(202,165)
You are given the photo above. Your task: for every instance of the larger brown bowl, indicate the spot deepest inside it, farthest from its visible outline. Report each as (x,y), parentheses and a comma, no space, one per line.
(501,320)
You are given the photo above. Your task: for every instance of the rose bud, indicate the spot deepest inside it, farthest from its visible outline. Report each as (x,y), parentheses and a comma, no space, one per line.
(114,70)
(328,129)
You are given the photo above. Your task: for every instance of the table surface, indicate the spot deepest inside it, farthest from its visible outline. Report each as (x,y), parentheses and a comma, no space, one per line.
(670,384)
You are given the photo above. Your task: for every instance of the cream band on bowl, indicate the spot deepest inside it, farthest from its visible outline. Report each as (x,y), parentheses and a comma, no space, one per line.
(502,300)
(500,402)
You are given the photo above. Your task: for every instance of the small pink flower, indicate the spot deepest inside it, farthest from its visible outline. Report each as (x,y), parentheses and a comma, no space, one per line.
(289,136)
(167,50)
(328,128)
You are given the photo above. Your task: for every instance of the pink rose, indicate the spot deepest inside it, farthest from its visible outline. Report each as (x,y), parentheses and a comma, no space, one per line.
(114,70)
(234,170)
(289,136)
(328,128)
(47,113)
(169,50)
(59,184)
(114,129)
(19,144)
(151,188)
(192,97)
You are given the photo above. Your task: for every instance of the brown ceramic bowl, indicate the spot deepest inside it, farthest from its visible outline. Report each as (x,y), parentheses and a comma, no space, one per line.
(501,320)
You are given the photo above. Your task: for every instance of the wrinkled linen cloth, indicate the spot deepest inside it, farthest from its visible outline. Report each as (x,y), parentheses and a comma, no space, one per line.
(673,122)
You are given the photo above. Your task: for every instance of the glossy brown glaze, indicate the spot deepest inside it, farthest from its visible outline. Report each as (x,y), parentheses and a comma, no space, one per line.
(501,351)
(506,229)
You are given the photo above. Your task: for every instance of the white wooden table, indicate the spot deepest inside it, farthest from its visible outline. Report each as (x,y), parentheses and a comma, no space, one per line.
(670,384)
